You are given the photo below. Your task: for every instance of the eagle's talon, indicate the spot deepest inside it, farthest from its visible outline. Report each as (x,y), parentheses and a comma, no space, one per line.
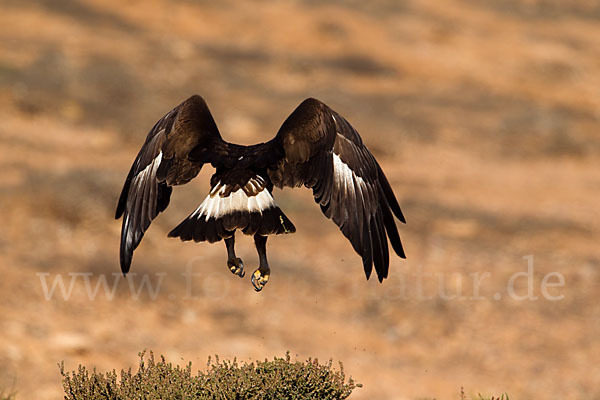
(236,266)
(259,280)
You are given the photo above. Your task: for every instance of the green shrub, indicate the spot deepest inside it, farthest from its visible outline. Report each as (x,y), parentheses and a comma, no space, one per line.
(504,396)
(277,379)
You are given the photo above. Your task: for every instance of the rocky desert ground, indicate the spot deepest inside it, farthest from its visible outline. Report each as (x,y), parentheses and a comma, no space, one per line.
(484,114)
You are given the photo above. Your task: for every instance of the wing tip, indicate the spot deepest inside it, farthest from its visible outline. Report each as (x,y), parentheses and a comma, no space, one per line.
(381,275)
(122,200)
(400,216)
(388,194)
(368,267)
(172,233)
(125,260)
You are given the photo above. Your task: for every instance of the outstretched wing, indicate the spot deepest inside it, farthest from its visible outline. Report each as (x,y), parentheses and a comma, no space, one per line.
(161,163)
(319,149)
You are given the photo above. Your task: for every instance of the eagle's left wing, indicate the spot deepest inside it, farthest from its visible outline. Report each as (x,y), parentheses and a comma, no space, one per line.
(318,148)
(161,163)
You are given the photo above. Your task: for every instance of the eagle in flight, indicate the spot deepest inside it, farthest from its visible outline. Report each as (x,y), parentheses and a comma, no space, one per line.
(315,147)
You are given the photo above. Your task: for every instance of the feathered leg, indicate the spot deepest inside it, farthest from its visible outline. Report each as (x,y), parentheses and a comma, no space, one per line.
(236,266)
(260,277)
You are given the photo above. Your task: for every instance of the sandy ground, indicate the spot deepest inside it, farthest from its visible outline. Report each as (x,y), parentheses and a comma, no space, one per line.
(485,116)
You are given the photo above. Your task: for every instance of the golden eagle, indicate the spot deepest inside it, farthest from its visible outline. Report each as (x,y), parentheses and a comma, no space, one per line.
(315,147)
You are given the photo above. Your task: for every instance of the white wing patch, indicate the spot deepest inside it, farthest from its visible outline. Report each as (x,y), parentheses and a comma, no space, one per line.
(149,171)
(139,185)
(345,178)
(216,206)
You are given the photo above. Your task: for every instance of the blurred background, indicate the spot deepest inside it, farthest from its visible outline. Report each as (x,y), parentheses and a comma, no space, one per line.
(484,114)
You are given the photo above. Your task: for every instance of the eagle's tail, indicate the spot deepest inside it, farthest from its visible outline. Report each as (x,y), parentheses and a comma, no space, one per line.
(218,217)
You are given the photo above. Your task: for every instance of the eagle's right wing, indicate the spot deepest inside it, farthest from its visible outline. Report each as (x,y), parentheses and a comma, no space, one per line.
(317,148)
(161,163)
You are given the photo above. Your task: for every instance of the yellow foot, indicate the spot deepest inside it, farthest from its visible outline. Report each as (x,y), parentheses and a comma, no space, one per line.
(259,280)
(236,266)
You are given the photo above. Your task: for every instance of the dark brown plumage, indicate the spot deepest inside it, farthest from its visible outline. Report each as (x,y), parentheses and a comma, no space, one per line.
(315,147)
